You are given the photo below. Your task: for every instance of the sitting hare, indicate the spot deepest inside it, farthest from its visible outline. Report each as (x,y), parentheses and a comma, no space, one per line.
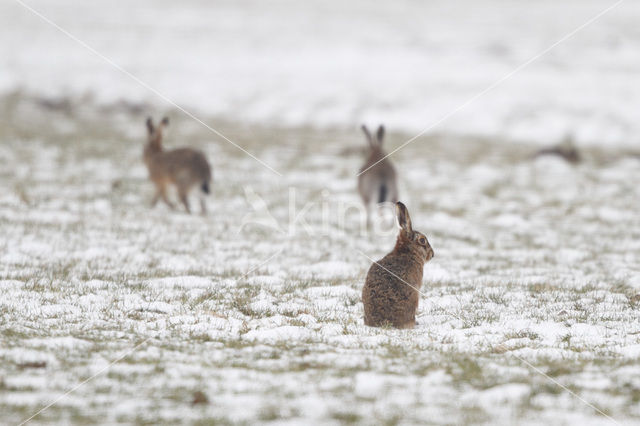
(392,288)
(183,167)
(377,178)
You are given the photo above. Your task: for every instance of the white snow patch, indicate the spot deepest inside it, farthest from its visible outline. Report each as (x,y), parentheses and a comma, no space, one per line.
(279,334)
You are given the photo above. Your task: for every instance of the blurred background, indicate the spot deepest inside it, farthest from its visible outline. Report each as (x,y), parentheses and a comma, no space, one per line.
(335,64)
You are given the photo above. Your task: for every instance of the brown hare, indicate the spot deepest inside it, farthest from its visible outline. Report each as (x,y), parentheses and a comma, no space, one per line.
(182,167)
(377,178)
(566,150)
(392,288)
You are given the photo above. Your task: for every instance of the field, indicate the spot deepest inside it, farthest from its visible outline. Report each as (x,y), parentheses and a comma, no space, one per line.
(326,63)
(530,311)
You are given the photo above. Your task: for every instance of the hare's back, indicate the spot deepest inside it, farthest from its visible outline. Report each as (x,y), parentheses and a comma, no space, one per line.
(388,277)
(387,301)
(379,174)
(190,161)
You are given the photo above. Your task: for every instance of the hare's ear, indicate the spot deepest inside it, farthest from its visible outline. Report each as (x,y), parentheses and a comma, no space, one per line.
(150,125)
(368,135)
(380,134)
(165,121)
(404,220)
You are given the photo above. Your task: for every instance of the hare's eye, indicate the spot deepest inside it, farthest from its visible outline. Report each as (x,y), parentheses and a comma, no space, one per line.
(422,241)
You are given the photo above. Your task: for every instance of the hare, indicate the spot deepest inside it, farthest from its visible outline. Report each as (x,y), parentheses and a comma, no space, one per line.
(183,167)
(392,287)
(377,178)
(566,150)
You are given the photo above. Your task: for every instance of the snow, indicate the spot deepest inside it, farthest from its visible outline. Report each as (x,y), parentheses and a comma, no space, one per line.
(327,64)
(278,334)
(325,270)
(536,273)
(505,394)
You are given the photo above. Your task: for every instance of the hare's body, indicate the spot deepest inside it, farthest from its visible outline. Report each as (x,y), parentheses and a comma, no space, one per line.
(183,167)
(377,180)
(566,150)
(389,300)
(392,287)
(569,153)
(378,184)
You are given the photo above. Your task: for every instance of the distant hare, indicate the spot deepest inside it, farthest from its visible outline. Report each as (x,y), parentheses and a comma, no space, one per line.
(377,178)
(392,288)
(183,167)
(565,149)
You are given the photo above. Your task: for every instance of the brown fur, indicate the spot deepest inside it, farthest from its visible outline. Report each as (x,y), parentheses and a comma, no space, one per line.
(566,150)
(182,167)
(569,154)
(392,288)
(378,175)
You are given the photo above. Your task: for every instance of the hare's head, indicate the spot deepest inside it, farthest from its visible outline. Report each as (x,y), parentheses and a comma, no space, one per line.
(375,144)
(411,240)
(154,137)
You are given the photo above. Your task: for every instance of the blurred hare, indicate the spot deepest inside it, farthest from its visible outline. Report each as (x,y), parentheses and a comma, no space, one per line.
(565,149)
(182,167)
(392,287)
(377,178)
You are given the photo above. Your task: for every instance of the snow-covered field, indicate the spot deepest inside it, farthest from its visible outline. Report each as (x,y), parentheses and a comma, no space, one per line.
(408,63)
(533,295)
(531,306)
